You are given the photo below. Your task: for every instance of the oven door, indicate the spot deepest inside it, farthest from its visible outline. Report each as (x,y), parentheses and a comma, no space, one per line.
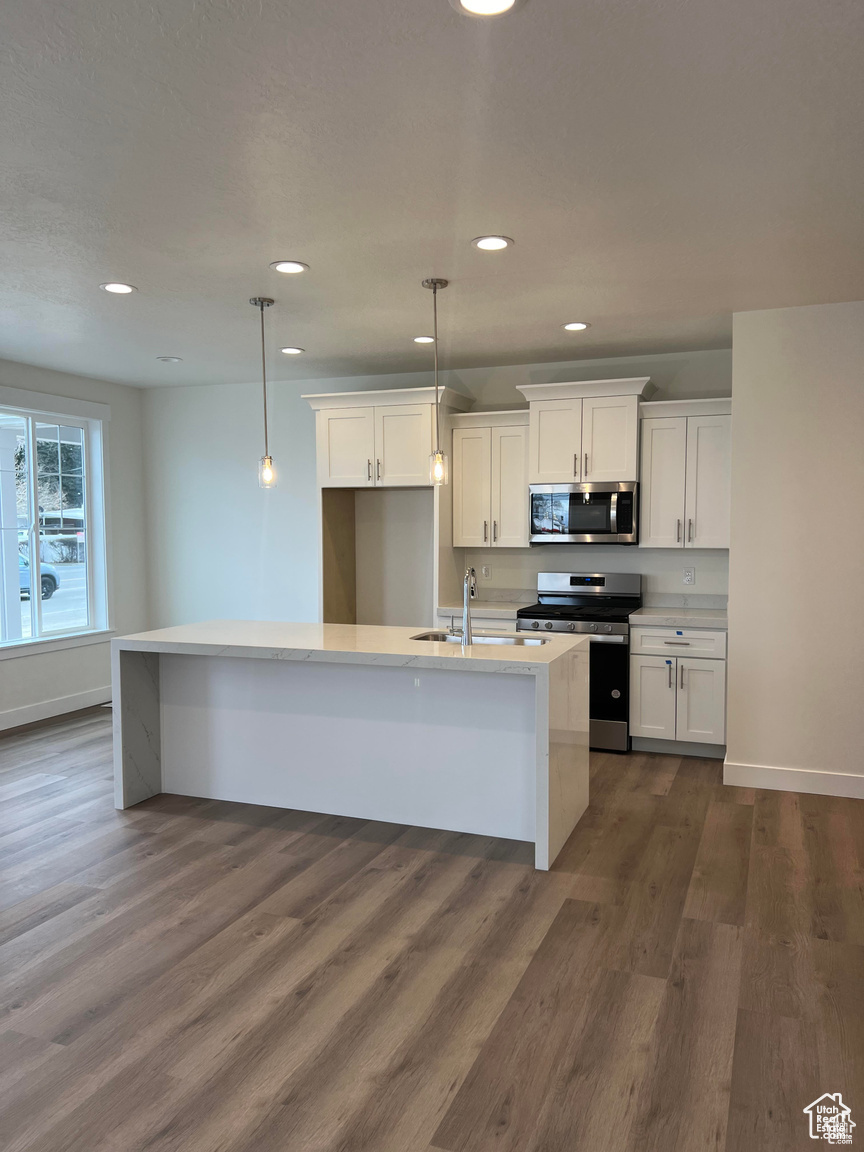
(583,513)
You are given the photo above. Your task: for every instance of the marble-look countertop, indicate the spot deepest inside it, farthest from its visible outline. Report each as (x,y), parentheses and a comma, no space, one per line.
(680,618)
(343,644)
(488,609)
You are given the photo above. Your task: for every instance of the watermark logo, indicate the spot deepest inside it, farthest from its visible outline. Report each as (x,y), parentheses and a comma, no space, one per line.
(830,1119)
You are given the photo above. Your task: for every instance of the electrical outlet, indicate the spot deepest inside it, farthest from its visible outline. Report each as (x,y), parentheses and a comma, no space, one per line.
(486,572)
(689,576)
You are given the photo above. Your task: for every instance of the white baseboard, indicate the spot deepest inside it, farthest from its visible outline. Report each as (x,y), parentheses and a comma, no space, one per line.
(794,780)
(45,709)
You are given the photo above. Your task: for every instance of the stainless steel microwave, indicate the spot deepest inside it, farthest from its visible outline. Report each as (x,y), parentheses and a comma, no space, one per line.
(584,513)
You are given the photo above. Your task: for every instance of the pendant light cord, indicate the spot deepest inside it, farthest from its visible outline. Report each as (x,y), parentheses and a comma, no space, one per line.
(435,334)
(264,379)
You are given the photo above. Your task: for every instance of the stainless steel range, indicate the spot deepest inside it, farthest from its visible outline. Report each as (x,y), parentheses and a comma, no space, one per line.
(599,604)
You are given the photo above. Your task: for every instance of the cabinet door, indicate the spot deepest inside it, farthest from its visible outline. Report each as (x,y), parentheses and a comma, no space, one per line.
(510,487)
(610,438)
(472,470)
(701,701)
(555,442)
(708,460)
(345,447)
(652,697)
(664,463)
(403,445)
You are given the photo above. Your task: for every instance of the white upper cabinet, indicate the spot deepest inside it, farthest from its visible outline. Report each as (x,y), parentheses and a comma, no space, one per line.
(490,482)
(555,442)
(346,447)
(610,438)
(707,485)
(403,445)
(380,439)
(664,469)
(685,476)
(510,487)
(472,487)
(584,432)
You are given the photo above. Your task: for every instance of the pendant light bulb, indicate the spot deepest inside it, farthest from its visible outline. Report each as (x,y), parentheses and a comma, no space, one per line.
(266,471)
(438,469)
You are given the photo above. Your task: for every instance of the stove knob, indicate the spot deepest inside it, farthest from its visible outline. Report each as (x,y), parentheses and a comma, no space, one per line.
(607,627)
(549,625)
(536,624)
(572,627)
(592,627)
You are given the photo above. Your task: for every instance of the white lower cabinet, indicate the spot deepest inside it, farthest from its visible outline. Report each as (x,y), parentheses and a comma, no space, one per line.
(678,698)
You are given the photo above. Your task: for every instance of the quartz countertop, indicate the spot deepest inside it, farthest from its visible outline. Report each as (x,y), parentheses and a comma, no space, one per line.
(488,609)
(680,618)
(343,644)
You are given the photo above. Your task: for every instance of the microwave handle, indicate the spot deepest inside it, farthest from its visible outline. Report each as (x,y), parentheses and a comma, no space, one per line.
(613,514)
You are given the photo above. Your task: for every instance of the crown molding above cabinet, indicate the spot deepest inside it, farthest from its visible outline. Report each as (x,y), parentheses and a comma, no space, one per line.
(711,406)
(581,389)
(387,397)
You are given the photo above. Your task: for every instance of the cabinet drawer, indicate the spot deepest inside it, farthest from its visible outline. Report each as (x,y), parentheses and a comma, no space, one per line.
(677,642)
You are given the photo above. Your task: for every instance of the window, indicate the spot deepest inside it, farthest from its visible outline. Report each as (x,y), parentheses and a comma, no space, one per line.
(52,549)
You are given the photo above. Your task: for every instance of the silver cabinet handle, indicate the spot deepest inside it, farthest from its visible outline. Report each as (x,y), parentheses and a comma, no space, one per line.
(682,675)
(690,531)
(669,665)
(678,532)
(378,472)
(494,531)
(585,473)
(678,643)
(576,465)
(369,470)
(485,531)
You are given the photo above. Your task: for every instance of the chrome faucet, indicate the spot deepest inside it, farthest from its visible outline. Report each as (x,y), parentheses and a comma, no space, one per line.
(469,590)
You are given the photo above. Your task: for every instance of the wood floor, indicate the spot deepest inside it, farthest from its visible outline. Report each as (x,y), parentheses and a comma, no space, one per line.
(209,977)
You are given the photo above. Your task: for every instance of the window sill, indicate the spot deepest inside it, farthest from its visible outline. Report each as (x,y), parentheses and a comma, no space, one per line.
(54,644)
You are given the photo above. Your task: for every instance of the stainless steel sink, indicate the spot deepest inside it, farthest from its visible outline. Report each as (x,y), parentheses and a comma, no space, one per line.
(480,638)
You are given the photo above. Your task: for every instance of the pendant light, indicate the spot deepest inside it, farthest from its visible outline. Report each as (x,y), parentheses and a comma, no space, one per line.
(266,471)
(438,460)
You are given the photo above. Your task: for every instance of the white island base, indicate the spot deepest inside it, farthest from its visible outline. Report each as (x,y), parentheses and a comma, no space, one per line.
(358,721)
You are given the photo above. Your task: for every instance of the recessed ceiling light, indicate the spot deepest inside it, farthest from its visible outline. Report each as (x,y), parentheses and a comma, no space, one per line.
(119,289)
(293,351)
(483,7)
(424,339)
(492,243)
(289,266)
(170,359)
(576,326)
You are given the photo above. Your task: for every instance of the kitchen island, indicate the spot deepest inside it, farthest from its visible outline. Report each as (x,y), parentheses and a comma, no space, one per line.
(358,721)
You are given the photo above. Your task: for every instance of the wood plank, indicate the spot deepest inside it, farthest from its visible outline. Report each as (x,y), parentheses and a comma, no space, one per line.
(500,1100)
(684,1103)
(718,886)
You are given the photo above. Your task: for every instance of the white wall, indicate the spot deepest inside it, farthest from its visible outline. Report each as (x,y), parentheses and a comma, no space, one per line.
(662,570)
(221,547)
(40,684)
(796,631)
(394,554)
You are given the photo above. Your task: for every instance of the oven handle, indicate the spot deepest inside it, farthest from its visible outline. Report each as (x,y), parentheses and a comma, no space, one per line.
(613,515)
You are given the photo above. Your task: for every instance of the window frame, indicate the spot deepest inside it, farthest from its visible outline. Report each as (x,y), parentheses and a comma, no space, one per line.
(92,418)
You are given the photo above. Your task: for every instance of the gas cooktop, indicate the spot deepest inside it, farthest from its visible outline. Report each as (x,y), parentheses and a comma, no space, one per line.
(601,607)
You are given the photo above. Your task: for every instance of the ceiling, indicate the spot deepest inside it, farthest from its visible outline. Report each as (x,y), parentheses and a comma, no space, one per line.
(660,165)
